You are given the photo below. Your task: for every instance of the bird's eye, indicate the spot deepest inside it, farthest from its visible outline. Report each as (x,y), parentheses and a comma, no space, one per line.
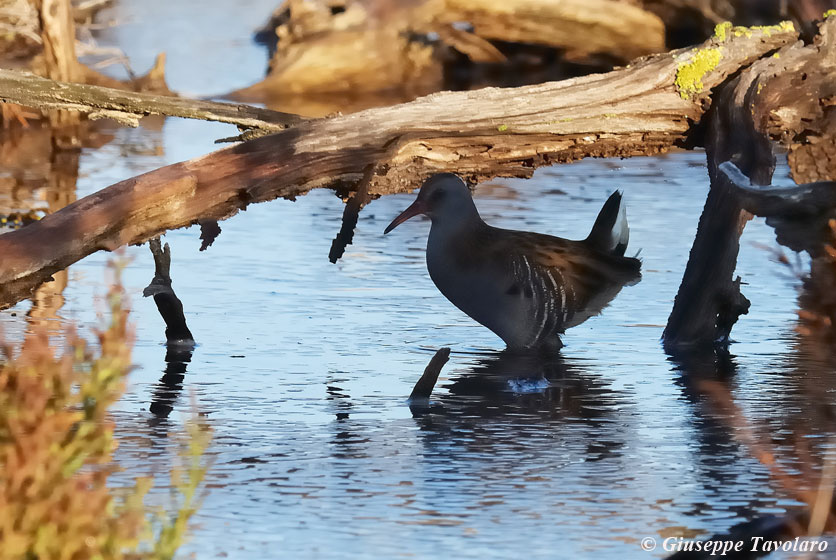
(437,195)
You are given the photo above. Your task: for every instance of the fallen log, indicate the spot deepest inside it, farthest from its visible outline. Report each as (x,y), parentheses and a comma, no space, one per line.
(646,108)
(581,27)
(327,46)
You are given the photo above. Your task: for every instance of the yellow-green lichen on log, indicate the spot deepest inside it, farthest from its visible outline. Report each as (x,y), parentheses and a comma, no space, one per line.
(770,29)
(828,13)
(689,75)
(721,30)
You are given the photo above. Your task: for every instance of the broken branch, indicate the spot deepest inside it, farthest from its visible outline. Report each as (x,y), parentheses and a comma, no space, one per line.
(127,106)
(424,388)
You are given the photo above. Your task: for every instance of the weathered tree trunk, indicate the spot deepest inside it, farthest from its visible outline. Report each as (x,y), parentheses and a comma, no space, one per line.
(797,90)
(58,34)
(789,97)
(643,109)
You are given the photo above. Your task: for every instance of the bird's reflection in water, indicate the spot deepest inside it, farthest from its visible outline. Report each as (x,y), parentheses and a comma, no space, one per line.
(168,389)
(510,401)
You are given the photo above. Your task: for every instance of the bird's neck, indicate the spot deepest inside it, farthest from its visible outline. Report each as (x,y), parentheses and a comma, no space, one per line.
(462,229)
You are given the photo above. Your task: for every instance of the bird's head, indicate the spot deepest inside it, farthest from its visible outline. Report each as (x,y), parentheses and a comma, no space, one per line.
(442,197)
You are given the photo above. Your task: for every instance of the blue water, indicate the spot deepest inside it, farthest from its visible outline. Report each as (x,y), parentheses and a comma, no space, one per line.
(303,367)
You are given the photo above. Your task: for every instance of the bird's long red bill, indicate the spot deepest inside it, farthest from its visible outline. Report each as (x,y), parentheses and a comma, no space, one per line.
(412,210)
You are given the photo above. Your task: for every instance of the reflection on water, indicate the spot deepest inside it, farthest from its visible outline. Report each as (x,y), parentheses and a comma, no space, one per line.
(793,442)
(511,399)
(36,179)
(167,391)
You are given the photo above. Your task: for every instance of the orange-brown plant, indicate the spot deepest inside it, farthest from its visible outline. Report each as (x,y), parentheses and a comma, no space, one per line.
(56,453)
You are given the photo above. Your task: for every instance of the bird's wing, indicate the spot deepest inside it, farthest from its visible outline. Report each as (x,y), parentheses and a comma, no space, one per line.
(568,280)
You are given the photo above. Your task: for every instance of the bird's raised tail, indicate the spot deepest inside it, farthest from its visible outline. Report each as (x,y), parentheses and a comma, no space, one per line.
(610,232)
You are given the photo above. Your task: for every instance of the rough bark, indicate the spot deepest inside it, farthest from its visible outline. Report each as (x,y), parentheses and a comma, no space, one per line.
(127,106)
(783,97)
(643,109)
(58,34)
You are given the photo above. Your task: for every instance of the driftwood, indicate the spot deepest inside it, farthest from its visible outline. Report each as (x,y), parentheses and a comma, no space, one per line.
(376,45)
(645,108)
(59,61)
(797,92)
(128,107)
(709,300)
(804,219)
(786,97)
(582,27)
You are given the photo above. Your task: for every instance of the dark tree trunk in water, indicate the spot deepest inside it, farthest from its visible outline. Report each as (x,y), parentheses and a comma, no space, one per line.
(784,96)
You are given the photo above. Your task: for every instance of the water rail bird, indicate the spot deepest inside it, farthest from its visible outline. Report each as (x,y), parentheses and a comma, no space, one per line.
(527,288)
